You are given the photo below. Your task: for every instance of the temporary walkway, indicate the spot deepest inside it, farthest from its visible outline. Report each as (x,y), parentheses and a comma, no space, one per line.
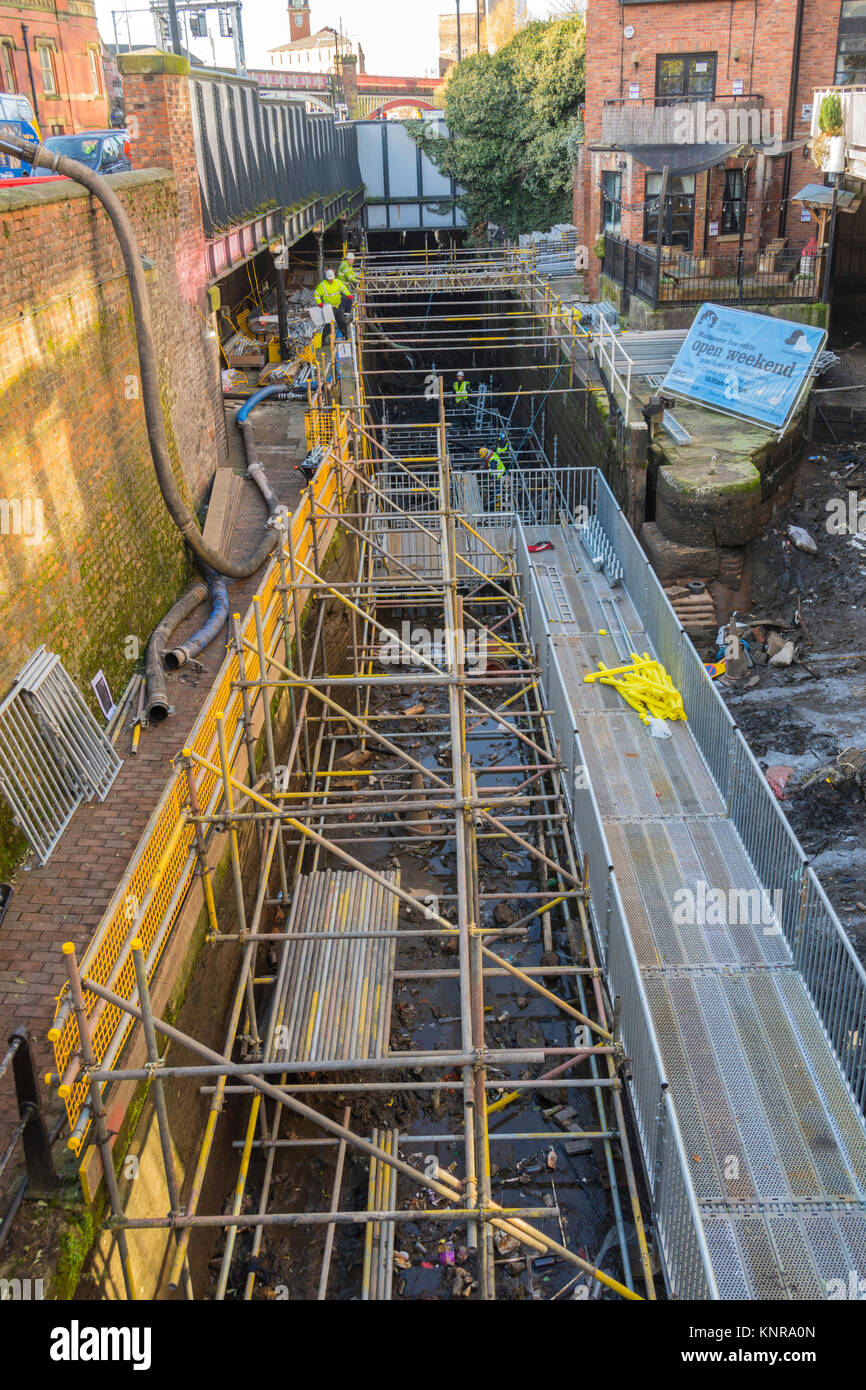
(773,1143)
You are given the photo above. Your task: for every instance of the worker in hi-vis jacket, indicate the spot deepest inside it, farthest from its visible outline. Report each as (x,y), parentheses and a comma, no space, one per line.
(330,291)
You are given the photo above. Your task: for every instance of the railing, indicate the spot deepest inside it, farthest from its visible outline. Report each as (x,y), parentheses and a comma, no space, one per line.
(820,948)
(253,153)
(535,495)
(677,1216)
(659,120)
(41,1177)
(755,277)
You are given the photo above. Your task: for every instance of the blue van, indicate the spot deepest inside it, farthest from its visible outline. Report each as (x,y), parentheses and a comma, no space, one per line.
(16,118)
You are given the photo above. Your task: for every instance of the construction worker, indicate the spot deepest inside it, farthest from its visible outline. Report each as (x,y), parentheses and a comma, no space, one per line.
(461,390)
(495,462)
(347,272)
(330,291)
(503,447)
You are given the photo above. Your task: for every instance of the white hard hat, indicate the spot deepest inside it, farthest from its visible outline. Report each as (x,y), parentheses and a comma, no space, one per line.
(350,255)
(459,376)
(330,274)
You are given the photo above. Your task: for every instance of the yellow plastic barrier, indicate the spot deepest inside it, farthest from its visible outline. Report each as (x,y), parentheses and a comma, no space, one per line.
(149,898)
(644,685)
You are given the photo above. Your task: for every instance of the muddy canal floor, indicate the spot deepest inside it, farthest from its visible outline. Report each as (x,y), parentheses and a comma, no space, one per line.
(802,716)
(431,1259)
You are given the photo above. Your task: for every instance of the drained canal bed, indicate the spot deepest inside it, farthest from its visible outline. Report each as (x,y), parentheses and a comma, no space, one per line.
(427,1260)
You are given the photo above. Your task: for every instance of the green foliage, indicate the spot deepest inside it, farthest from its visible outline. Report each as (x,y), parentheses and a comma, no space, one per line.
(830,119)
(598,248)
(514,125)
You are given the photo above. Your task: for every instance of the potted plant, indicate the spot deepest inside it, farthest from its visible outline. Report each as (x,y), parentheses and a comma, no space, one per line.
(828,147)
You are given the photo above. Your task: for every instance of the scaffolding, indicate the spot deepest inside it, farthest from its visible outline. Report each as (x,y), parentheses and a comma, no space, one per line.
(467,763)
(454,714)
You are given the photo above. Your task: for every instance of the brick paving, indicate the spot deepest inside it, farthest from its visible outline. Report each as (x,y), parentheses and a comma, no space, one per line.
(65,900)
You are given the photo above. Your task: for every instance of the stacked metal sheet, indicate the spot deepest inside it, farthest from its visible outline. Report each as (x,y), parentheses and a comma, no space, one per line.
(335,978)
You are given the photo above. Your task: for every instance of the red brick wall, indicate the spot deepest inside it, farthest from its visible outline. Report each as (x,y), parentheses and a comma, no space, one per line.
(71,25)
(754,41)
(72,431)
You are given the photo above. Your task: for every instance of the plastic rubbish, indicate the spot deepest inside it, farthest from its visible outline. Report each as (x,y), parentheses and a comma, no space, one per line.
(777,778)
(800,538)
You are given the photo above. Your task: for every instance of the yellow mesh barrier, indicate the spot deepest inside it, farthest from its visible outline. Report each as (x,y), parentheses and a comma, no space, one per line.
(149,898)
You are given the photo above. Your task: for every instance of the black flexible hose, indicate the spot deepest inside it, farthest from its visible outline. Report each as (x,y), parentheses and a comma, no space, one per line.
(210,628)
(180,514)
(156,703)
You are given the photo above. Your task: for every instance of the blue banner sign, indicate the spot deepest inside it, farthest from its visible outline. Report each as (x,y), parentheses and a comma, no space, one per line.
(748,365)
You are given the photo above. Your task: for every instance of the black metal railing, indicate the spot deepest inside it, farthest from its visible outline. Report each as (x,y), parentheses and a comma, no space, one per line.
(30,1132)
(255,153)
(686,277)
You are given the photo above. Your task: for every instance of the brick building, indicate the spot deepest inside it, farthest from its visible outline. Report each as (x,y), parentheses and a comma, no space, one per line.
(720,91)
(489,24)
(51,52)
(308,52)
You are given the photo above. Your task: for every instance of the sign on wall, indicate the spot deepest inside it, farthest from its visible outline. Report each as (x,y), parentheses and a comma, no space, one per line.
(748,365)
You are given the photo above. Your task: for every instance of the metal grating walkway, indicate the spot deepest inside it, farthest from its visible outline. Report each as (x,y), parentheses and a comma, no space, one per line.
(775,1143)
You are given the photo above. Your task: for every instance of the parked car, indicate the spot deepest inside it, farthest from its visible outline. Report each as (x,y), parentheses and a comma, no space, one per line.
(106,151)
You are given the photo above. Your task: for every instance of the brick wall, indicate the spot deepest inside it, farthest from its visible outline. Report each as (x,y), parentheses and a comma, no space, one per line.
(72,429)
(754,44)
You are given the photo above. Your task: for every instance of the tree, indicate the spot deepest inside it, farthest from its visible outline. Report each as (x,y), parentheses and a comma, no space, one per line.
(510,118)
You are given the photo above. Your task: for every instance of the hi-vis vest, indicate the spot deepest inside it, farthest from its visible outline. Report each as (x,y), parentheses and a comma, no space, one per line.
(461,392)
(496,464)
(347,273)
(330,292)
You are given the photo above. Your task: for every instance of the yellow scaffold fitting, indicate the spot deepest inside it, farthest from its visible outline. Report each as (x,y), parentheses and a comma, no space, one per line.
(644,685)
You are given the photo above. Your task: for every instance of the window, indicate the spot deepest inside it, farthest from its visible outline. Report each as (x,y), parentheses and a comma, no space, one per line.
(732,203)
(611,199)
(46,65)
(679,213)
(95,84)
(851,50)
(685,77)
(7,70)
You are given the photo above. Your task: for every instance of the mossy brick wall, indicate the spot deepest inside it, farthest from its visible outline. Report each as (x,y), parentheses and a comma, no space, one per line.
(72,429)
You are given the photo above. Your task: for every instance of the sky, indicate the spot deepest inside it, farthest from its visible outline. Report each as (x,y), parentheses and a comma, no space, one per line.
(397,38)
